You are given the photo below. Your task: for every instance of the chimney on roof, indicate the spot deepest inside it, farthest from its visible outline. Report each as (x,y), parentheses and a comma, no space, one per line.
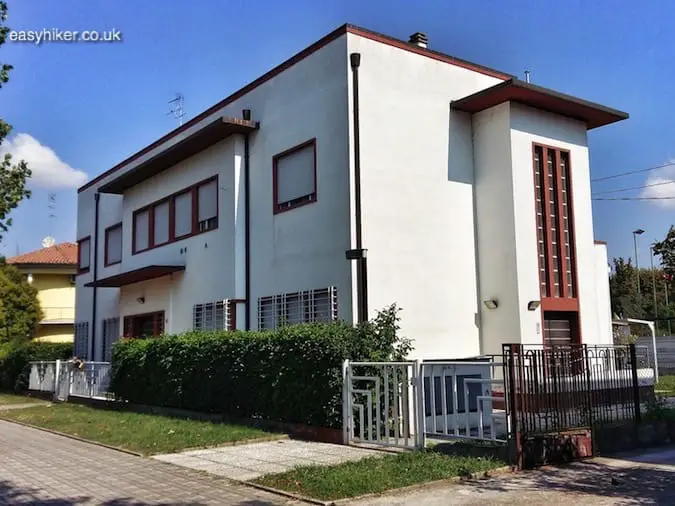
(418,39)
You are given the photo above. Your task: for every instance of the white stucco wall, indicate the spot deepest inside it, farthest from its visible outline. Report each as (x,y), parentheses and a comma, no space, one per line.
(603,297)
(496,229)
(417,195)
(296,250)
(531,125)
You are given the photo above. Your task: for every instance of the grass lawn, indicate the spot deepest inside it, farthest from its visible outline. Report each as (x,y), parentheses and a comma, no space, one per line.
(666,385)
(145,434)
(375,474)
(16,399)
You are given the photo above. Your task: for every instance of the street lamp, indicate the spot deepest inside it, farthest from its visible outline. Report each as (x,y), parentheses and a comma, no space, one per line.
(637,232)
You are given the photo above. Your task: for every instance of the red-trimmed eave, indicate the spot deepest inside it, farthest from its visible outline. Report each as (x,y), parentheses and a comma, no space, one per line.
(514,90)
(136,276)
(335,34)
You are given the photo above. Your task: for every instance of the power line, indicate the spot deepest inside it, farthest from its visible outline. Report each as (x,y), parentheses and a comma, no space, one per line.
(634,188)
(632,198)
(669,164)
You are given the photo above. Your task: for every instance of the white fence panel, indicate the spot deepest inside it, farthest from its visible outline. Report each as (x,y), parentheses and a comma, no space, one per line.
(42,376)
(68,378)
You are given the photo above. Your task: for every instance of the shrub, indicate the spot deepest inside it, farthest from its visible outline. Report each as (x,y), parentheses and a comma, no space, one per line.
(292,374)
(14,359)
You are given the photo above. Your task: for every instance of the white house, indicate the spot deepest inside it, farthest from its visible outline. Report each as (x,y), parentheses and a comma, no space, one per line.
(363,171)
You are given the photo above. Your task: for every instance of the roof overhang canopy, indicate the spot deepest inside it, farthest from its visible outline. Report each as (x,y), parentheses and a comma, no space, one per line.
(136,276)
(514,90)
(198,141)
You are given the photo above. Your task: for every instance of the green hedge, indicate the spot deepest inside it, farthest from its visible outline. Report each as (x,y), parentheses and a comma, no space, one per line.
(292,374)
(14,359)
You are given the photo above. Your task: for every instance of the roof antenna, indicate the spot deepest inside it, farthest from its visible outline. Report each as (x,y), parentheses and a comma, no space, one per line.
(51,206)
(527,76)
(177,108)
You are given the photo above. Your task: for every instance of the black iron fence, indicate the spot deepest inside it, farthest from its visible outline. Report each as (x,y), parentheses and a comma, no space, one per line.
(556,389)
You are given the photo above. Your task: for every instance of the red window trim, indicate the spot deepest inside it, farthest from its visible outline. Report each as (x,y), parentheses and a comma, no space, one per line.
(105,246)
(311,198)
(84,270)
(193,190)
(157,315)
(565,302)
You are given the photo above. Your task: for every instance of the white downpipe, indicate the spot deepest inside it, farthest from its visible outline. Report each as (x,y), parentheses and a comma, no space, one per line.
(239,232)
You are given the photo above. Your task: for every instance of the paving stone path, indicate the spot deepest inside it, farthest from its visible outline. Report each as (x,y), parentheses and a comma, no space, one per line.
(37,467)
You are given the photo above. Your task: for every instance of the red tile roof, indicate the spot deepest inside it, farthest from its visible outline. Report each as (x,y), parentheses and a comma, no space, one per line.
(59,254)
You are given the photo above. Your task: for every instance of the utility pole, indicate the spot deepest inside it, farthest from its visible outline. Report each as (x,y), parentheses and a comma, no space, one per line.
(637,232)
(651,260)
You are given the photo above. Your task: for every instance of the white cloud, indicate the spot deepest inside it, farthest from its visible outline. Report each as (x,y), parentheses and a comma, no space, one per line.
(661,183)
(49,171)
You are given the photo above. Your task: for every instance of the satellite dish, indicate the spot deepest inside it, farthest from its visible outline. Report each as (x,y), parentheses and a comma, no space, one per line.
(48,242)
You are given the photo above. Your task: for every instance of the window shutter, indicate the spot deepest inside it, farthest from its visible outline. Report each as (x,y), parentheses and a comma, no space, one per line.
(183,214)
(141,230)
(84,253)
(161,216)
(208,201)
(295,175)
(114,245)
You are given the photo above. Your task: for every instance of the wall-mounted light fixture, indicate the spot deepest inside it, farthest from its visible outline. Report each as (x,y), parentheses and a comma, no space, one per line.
(533,305)
(140,300)
(491,303)
(29,278)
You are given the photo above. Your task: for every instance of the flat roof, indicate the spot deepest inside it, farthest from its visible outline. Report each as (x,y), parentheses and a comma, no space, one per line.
(136,276)
(515,90)
(191,145)
(335,34)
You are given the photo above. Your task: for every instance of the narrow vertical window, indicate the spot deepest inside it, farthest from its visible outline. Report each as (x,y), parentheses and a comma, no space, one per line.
(113,245)
(566,191)
(84,254)
(141,230)
(541,219)
(161,223)
(207,198)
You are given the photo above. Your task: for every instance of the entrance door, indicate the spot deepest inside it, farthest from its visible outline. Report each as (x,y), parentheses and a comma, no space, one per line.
(561,328)
(145,325)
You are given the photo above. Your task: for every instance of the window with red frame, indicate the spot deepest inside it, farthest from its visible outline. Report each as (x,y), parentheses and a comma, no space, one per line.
(142,326)
(186,213)
(83,255)
(294,177)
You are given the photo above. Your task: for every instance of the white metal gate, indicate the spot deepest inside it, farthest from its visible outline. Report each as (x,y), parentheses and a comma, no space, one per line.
(401,404)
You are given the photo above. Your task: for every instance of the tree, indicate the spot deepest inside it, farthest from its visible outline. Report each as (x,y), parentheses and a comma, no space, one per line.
(20,310)
(623,289)
(12,176)
(666,250)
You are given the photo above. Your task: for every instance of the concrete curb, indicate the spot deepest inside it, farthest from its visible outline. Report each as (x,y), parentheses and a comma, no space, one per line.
(394,491)
(70,436)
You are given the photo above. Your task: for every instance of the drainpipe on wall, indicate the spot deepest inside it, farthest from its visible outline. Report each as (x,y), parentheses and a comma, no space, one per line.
(358,254)
(247,225)
(97,197)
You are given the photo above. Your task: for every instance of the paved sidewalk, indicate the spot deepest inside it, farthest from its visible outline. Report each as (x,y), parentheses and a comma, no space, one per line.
(627,480)
(39,468)
(246,462)
(5,407)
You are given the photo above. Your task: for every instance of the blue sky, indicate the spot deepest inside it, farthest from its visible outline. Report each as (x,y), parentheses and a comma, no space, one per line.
(84,107)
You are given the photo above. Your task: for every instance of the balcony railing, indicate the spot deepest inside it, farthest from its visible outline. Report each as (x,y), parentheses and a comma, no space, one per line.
(58,315)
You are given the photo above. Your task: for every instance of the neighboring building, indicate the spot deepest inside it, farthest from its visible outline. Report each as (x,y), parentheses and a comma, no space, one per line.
(472,198)
(51,270)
